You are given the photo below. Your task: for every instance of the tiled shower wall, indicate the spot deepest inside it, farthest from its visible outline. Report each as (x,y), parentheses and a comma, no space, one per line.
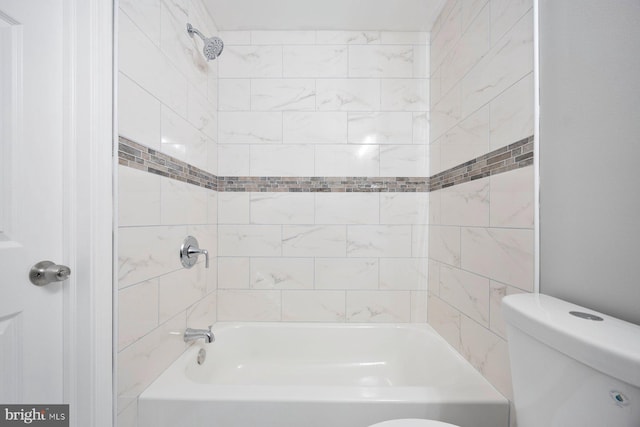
(323,104)
(167,101)
(481,239)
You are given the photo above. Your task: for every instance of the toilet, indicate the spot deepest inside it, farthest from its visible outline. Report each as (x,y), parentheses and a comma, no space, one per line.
(570,366)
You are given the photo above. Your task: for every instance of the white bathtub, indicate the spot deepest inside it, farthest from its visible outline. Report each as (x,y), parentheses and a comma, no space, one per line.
(321,375)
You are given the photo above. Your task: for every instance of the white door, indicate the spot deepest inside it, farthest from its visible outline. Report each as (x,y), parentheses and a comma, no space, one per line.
(31,199)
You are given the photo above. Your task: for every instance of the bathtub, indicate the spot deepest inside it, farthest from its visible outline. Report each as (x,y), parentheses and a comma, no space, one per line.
(320,375)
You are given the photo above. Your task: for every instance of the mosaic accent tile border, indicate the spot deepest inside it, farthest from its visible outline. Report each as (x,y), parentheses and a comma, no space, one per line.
(513,156)
(140,157)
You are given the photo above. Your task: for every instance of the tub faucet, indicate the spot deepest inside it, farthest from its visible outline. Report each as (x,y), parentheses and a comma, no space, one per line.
(196,334)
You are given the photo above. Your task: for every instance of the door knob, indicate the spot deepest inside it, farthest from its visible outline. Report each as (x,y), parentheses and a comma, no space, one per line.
(46,272)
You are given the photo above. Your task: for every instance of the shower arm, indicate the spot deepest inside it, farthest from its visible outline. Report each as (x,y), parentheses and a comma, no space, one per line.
(193,31)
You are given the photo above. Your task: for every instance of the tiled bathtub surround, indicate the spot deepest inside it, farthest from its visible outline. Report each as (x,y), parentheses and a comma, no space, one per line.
(481,237)
(167,101)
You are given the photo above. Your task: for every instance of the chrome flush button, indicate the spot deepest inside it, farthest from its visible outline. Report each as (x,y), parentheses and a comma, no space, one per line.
(619,398)
(586,316)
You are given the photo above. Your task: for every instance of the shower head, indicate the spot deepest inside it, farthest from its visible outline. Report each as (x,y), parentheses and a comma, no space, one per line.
(212,46)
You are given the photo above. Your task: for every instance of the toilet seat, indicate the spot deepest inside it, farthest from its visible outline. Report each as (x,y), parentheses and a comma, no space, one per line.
(412,422)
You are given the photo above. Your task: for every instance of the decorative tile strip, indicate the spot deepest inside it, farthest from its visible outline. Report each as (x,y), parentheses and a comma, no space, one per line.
(514,156)
(323,184)
(147,159)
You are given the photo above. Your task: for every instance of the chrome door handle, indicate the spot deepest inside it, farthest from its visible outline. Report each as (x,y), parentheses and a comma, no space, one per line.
(46,272)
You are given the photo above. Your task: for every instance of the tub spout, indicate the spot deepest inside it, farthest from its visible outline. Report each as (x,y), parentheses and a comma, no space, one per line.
(196,334)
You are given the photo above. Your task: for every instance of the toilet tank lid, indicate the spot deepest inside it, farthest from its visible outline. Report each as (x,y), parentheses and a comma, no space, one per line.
(610,345)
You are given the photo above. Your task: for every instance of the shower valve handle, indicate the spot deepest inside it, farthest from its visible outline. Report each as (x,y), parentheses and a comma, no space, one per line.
(189,252)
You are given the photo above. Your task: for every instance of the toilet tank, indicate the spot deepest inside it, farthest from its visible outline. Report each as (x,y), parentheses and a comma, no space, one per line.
(571,366)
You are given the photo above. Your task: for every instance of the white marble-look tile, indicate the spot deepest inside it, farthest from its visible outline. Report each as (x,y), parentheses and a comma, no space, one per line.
(142,362)
(233,160)
(212,207)
(470,10)
(378,306)
(325,61)
(283,37)
(347,208)
(405,95)
(345,273)
(447,8)
(137,312)
(233,208)
(283,95)
(512,114)
(466,204)
(179,47)
(505,255)
(201,18)
(234,94)
(252,305)
(379,241)
(466,141)
(446,113)
(508,61)
(512,198)
(182,140)
(435,212)
(347,160)
(202,114)
(447,32)
(233,38)
(435,165)
(421,64)
(179,290)
(138,113)
(147,252)
(381,128)
(488,353)
(504,14)
(473,45)
(138,197)
(348,37)
(499,291)
(444,244)
(467,292)
(282,208)
(282,160)
(404,37)
(403,274)
(435,86)
(348,94)
(251,61)
(282,273)
(404,160)
(434,277)
(203,313)
(146,15)
(419,306)
(445,320)
(314,127)
(378,61)
(421,127)
(404,208)
(143,62)
(313,306)
(183,203)
(420,241)
(314,240)
(249,240)
(250,127)
(234,273)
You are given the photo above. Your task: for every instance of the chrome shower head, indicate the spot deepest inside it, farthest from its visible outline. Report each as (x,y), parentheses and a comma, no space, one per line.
(213,46)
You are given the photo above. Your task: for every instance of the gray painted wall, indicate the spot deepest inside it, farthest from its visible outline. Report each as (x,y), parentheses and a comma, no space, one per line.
(590,154)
